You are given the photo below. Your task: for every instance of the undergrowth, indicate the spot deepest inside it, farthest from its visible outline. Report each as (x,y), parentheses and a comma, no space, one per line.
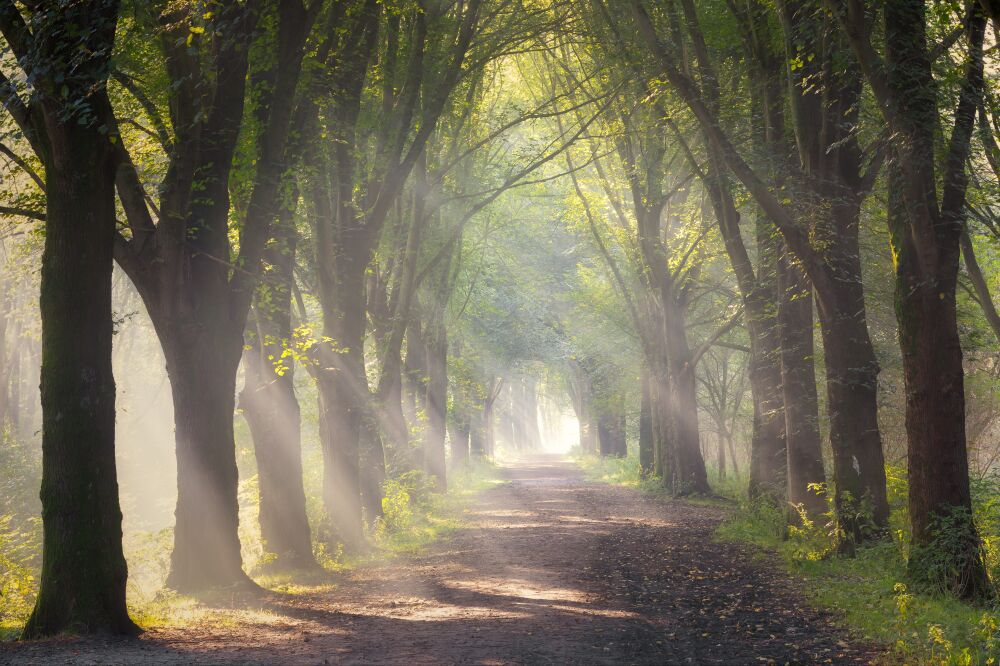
(872,592)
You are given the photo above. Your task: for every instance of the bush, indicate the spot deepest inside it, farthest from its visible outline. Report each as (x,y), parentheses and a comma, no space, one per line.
(19,550)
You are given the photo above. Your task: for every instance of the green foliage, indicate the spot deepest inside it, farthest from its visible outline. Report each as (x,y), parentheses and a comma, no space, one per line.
(618,471)
(923,624)
(397,512)
(415,515)
(19,550)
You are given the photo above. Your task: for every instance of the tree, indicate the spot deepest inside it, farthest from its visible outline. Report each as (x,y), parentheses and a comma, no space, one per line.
(65,52)
(925,231)
(197,295)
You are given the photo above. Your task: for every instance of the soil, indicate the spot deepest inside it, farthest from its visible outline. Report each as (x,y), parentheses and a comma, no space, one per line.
(549,569)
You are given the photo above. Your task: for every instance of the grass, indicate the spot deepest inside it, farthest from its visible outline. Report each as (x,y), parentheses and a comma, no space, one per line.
(868,592)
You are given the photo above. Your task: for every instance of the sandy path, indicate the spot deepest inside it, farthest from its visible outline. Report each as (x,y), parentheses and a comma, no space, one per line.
(551,569)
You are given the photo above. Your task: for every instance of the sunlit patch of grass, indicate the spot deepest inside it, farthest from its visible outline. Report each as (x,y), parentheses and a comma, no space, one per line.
(415,516)
(299,581)
(626,472)
(618,471)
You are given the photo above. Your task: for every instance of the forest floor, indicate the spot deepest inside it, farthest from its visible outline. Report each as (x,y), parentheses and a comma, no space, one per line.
(547,568)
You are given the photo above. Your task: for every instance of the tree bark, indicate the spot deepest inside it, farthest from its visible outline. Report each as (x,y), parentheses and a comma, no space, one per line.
(645,428)
(437,403)
(926,239)
(202,375)
(83,575)
(83,569)
(271,409)
(798,375)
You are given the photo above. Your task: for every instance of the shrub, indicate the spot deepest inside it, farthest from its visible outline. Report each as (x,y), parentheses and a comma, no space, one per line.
(19,550)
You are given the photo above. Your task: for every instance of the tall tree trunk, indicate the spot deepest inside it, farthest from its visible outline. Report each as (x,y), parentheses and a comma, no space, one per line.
(489,431)
(645,428)
(768,462)
(721,453)
(477,435)
(687,475)
(202,377)
(436,338)
(83,574)
(852,399)
(271,410)
(798,375)
(926,241)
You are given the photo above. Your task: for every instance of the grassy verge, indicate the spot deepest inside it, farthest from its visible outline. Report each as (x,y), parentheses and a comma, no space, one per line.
(869,592)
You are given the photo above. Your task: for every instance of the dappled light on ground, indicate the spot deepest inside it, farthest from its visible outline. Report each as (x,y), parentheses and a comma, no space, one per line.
(546,570)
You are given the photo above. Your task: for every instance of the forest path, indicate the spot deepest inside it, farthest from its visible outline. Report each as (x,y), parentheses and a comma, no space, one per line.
(550,569)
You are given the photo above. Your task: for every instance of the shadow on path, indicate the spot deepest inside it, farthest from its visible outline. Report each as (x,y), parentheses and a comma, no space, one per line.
(551,569)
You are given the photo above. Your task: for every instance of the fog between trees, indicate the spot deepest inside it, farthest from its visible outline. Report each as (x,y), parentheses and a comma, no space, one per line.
(333,247)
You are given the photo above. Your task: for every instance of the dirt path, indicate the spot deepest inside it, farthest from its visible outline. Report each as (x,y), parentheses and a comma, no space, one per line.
(552,569)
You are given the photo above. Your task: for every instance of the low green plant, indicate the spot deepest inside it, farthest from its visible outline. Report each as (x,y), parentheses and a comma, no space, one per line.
(19,549)
(872,591)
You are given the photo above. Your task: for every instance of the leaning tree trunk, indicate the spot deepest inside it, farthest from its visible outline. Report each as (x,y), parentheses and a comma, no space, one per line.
(82,582)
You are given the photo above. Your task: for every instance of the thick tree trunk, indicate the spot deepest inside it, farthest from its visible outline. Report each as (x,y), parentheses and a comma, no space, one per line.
(83,574)
(343,388)
(768,474)
(926,240)
(340,414)
(687,474)
(938,466)
(798,374)
(272,412)
(659,396)
(852,399)
(206,534)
